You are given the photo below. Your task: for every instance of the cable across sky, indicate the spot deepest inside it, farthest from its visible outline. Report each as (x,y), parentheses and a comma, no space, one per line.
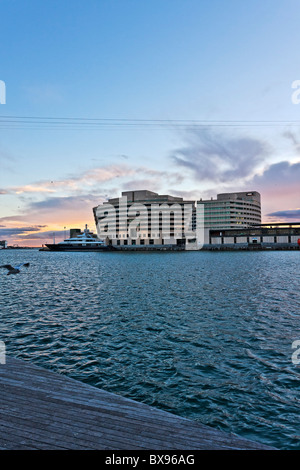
(84,123)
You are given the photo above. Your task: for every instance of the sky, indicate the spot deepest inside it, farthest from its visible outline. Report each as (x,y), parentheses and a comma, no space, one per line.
(184,97)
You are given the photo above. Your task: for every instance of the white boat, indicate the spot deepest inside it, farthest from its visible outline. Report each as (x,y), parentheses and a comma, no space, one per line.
(84,241)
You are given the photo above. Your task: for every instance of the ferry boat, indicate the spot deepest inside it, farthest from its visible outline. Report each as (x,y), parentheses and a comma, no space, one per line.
(84,241)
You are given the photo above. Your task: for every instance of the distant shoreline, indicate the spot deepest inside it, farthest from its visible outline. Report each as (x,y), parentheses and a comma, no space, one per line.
(20,248)
(169,250)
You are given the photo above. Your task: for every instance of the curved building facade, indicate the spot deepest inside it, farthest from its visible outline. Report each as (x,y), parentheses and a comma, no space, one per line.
(232,210)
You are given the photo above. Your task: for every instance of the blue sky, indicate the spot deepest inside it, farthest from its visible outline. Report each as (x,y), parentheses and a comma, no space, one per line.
(200,60)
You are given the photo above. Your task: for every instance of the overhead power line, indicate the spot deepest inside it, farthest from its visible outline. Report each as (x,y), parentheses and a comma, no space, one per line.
(83,123)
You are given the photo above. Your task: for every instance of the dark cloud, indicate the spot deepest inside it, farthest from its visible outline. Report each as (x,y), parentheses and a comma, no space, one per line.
(16,231)
(288,214)
(218,157)
(43,235)
(30,233)
(282,173)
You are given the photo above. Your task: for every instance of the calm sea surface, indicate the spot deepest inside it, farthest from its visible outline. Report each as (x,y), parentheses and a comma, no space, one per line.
(207,336)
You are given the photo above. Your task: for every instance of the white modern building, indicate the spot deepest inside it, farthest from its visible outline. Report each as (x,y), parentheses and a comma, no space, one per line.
(232,210)
(144,218)
(147,220)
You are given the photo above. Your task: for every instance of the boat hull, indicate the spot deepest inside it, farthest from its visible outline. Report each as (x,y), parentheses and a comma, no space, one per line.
(66,247)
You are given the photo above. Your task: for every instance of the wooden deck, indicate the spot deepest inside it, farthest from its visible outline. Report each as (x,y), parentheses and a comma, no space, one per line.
(44,410)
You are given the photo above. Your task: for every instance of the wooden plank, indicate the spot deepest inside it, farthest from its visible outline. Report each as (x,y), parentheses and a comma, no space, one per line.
(44,410)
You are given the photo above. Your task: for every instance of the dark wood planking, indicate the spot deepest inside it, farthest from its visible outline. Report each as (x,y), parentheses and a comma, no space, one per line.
(41,409)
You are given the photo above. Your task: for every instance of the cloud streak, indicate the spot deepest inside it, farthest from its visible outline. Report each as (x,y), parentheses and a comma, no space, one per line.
(291,215)
(8,232)
(91,179)
(220,158)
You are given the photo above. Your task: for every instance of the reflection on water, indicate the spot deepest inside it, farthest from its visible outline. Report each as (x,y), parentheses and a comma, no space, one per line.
(203,335)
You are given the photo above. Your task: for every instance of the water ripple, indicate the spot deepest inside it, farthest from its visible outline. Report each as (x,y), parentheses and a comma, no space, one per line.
(204,335)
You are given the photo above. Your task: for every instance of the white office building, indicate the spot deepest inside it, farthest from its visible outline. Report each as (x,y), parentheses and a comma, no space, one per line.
(146,219)
(232,210)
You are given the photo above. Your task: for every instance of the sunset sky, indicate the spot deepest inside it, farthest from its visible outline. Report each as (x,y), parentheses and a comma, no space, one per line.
(183,97)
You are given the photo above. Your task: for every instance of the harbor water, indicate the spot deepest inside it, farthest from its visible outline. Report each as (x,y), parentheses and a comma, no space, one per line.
(204,335)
